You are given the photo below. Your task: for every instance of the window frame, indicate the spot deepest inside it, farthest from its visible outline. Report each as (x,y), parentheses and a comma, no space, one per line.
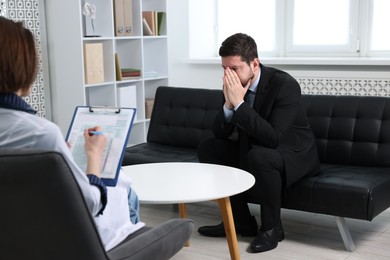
(357,52)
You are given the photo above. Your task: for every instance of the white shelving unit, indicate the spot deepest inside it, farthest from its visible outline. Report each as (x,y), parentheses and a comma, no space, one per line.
(148,53)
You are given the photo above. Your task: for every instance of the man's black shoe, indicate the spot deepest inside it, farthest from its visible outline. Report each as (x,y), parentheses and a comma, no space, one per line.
(267,239)
(249,230)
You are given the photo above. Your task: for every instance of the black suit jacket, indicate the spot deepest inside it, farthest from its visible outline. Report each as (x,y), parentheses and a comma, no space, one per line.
(278,121)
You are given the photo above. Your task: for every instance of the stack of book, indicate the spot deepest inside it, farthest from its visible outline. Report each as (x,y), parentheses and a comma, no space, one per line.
(130,73)
(153,23)
(125,73)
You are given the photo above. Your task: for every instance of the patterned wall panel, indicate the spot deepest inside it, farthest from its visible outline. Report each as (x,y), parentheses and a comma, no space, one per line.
(345,86)
(28,12)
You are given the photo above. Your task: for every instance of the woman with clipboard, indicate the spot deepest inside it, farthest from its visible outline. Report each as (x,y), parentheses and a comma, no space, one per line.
(21,128)
(112,207)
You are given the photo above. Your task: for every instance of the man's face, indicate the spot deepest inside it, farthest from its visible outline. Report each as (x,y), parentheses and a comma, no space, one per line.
(244,71)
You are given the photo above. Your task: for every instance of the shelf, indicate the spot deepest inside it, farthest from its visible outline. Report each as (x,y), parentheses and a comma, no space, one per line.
(147,53)
(68,32)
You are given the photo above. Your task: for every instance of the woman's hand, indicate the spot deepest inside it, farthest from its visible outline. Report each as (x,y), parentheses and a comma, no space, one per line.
(94,148)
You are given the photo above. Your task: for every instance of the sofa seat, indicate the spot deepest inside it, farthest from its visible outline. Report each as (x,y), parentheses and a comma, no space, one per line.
(342,190)
(154,152)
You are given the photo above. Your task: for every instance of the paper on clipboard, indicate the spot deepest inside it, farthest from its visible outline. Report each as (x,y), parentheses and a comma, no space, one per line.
(116,124)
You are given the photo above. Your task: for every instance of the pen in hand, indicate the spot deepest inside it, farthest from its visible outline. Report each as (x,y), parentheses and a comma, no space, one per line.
(95,132)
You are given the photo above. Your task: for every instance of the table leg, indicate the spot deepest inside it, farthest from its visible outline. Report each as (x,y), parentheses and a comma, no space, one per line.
(183,214)
(230,230)
(183,210)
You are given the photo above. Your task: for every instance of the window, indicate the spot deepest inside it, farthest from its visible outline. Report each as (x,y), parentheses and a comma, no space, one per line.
(380,38)
(293,28)
(321,27)
(256,18)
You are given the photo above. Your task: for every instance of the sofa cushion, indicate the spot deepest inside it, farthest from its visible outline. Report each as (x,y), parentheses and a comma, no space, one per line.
(153,153)
(342,190)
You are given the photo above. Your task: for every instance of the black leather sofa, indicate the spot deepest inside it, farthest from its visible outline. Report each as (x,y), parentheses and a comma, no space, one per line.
(353,138)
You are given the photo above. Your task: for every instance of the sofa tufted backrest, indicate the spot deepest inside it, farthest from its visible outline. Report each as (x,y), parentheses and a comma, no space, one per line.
(182,117)
(350,129)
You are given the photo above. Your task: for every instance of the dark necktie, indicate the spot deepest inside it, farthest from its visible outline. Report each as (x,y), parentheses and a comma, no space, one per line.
(243,136)
(250,97)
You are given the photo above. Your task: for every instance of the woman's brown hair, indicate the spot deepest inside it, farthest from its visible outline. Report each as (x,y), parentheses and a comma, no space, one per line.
(18,57)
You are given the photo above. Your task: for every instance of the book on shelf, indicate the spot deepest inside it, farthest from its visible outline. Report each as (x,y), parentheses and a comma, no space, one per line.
(130,72)
(153,23)
(149,18)
(146,29)
(123,16)
(117,67)
(161,30)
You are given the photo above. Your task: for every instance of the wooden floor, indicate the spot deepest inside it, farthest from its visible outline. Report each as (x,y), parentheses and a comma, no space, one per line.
(307,235)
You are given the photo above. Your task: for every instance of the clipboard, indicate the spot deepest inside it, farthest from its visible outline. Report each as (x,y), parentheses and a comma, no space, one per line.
(116,124)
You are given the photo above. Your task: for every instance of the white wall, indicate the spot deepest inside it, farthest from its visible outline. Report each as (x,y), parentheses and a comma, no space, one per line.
(182,73)
(63,22)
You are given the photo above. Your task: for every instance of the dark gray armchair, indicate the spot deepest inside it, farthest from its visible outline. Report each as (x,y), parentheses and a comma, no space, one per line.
(44,216)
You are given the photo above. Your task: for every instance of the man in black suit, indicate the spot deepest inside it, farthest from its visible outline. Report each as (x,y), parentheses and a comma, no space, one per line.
(262,128)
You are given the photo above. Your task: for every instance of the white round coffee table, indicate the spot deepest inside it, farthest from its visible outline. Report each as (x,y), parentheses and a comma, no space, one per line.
(171,183)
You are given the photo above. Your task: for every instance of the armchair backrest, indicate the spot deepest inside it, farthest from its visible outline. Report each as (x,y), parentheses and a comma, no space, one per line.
(43,213)
(182,117)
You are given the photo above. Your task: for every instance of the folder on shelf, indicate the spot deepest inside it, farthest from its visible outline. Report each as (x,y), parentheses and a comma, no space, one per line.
(149,102)
(119,17)
(128,17)
(93,63)
(123,16)
(116,124)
